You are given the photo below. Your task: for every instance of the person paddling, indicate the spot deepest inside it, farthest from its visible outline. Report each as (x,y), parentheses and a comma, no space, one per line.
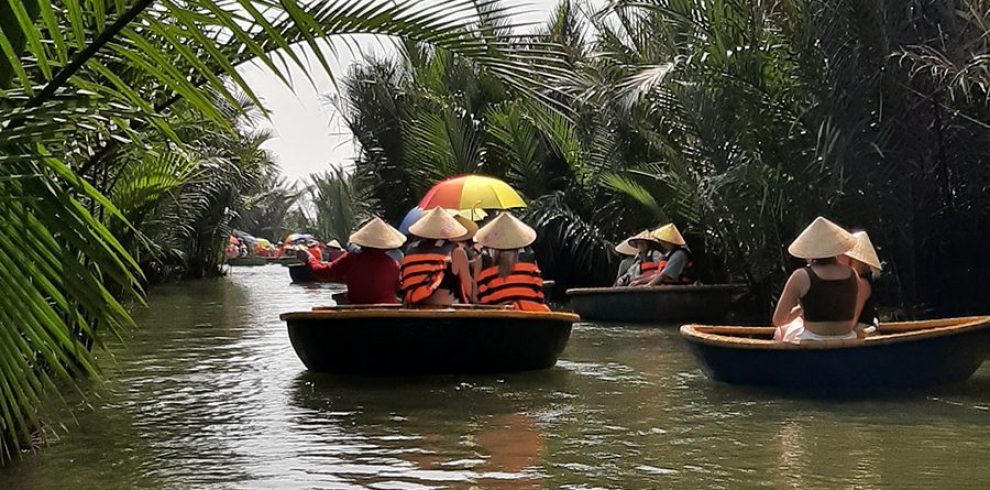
(819,301)
(435,271)
(334,250)
(512,279)
(864,260)
(647,262)
(677,264)
(372,277)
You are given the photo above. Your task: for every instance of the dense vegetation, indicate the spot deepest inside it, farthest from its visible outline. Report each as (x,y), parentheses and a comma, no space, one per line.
(126,144)
(740,121)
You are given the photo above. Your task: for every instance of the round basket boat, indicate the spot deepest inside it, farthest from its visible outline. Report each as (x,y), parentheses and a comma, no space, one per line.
(247,261)
(381,340)
(908,354)
(300,273)
(657,304)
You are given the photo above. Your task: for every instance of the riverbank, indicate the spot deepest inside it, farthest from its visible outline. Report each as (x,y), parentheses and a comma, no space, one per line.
(208,393)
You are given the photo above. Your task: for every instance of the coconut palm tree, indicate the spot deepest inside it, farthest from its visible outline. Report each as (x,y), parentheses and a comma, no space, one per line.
(87,89)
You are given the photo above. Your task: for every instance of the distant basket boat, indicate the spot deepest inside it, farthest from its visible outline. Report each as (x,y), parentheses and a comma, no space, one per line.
(300,273)
(907,354)
(247,261)
(284,260)
(657,304)
(391,340)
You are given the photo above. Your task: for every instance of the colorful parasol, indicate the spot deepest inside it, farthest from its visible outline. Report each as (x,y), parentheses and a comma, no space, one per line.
(472,192)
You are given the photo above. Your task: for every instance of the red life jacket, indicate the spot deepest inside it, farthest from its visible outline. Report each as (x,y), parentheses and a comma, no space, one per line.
(651,267)
(522,288)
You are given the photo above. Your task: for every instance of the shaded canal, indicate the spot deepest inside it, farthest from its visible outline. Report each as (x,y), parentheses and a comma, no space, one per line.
(209,394)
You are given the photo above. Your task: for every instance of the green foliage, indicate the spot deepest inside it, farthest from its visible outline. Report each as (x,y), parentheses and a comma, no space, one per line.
(138,104)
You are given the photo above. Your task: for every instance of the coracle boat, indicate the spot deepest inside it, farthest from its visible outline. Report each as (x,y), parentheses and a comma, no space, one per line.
(286,260)
(382,340)
(901,355)
(247,261)
(657,304)
(299,273)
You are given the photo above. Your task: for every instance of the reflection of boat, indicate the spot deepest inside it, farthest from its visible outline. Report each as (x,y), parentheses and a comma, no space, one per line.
(393,340)
(902,355)
(658,304)
(252,261)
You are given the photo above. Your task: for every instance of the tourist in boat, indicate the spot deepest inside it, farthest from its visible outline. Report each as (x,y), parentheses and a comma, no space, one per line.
(647,261)
(512,278)
(334,250)
(628,253)
(435,270)
(677,265)
(372,277)
(864,260)
(468,245)
(819,301)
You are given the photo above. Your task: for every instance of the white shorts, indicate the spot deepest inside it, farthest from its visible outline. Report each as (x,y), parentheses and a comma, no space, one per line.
(795,332)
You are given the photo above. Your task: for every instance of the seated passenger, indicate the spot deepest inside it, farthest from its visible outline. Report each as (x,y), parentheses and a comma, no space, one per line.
(629,258)
(677,263)
(372,277)
(334,250)
(820,301)
(513,278)
(467,244)
(864,260)
(648,260)
(435,271)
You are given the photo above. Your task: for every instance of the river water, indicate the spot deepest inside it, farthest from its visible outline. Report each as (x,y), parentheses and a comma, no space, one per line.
(208,393)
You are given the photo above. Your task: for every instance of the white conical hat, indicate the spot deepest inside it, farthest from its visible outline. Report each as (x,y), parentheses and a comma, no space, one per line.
(670,234)
(334,244)
(820,240)
(625,248)
(438,225)
(378,234)
(505,232)
(864,252)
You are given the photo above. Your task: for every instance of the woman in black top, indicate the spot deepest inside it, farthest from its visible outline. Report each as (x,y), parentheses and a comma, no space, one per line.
(820,301)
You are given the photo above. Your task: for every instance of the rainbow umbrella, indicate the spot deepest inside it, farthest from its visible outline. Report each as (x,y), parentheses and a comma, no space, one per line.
(472,192)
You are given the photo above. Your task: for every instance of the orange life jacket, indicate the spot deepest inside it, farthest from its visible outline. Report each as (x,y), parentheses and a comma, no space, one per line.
(522,288)
(651,267)
(420,275)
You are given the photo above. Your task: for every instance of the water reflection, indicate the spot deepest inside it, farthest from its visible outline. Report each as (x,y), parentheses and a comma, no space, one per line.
(209,394)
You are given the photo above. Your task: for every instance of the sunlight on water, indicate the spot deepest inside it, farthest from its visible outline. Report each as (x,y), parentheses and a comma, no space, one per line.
(208,393)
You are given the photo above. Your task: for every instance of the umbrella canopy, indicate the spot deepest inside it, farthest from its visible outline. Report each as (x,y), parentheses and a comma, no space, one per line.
(471,192)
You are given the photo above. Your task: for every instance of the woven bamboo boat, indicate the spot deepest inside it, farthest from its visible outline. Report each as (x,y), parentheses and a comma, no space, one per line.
(907,354)
(300,273)
(380,340)
(247,261)
(658,304)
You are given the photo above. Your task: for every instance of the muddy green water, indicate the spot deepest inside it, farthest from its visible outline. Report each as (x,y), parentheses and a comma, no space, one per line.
(209,394)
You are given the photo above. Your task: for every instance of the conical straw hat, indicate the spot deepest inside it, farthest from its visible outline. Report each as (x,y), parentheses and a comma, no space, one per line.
(471,226)
(670,234)
(626,248)
(820,240)
(378,234)
(437,225)
(864,252)
(505,232)
(334,244)
(645,235)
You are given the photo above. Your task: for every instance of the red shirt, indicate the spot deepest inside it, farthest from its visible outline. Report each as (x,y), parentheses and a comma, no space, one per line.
(372,277)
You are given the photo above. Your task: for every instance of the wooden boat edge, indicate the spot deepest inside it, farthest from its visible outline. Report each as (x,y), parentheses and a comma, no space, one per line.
(703,288)
(384,313)
(704,334)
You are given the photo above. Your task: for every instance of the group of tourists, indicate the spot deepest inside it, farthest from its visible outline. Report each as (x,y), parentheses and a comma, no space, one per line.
(831,298)
(447,259)
(655,257)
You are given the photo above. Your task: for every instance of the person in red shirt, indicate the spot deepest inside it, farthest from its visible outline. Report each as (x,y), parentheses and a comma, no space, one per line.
(372,277)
